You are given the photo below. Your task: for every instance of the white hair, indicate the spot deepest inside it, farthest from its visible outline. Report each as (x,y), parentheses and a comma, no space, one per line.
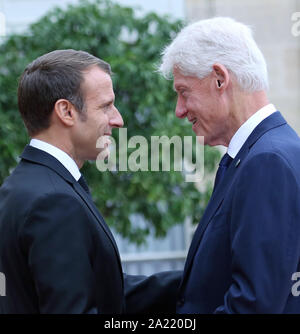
(222,40)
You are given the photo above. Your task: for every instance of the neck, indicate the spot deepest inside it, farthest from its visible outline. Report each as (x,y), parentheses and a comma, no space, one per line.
(58,142)
(243,107)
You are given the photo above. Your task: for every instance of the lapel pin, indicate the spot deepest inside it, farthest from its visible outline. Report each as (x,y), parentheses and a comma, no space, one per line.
(237,163)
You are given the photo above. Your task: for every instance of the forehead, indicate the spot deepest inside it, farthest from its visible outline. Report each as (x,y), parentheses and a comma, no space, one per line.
(97,83)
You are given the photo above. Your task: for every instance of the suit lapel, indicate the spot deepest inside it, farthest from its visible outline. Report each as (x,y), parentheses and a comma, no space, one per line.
(35,155)
(89,202)
(217,197)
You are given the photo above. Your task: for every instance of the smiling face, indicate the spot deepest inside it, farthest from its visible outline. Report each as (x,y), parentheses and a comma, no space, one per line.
(101,116)
(202,103)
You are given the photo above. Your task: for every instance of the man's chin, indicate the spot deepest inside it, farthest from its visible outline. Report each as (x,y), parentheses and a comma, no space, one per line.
(103,154)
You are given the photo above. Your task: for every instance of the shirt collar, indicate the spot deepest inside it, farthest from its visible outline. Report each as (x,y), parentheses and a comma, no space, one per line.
(60,155)
(240,137)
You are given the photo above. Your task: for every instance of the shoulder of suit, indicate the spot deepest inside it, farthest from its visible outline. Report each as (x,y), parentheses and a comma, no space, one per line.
(29,182)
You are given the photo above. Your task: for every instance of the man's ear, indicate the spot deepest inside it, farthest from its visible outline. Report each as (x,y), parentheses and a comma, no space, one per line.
(65,112)
(221,76)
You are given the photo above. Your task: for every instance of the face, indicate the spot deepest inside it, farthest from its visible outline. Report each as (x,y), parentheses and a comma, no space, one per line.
(200,101)
(101,115)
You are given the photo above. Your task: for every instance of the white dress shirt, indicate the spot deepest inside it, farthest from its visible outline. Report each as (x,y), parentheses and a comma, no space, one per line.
(240,137)
(60,155)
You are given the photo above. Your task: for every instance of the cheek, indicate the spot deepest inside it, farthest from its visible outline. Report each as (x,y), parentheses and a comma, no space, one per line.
(191,104)
(196,106)
(102,123)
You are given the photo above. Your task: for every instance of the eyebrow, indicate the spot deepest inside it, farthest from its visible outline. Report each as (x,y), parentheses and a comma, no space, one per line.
(179,86)
(107,103)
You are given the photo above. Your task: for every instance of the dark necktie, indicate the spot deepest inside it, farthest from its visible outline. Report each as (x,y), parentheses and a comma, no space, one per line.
(83,184)
(224,164)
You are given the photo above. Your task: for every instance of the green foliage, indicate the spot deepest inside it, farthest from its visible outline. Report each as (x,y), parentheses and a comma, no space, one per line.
(132,45)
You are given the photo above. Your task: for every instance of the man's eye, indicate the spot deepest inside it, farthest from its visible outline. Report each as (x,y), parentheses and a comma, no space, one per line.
(107,106)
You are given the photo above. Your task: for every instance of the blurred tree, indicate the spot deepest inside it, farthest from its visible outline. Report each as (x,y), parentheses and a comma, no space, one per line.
(132,45)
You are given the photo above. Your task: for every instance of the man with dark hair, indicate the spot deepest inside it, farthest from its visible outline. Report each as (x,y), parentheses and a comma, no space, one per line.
(56,251)
(53,76)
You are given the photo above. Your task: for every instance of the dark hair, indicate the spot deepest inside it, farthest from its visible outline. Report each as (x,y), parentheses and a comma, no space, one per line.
(53,76)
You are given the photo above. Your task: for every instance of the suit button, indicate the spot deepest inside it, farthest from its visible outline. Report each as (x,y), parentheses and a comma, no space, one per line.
(180,302)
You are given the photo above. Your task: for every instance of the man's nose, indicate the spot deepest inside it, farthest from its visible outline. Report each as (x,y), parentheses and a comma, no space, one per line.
(181,110)
(116,121)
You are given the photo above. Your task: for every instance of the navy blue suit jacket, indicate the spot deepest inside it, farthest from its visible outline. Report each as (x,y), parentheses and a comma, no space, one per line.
(247,244)
(58,254)
(56,250)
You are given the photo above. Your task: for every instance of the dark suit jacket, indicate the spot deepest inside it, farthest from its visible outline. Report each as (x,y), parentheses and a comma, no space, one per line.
(56,251)
(247,244)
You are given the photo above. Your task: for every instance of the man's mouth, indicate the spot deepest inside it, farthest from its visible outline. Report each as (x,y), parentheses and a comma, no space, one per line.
(193,120)
(107,140)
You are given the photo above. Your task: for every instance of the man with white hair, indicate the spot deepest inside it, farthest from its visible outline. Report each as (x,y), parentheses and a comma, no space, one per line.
(246,247)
